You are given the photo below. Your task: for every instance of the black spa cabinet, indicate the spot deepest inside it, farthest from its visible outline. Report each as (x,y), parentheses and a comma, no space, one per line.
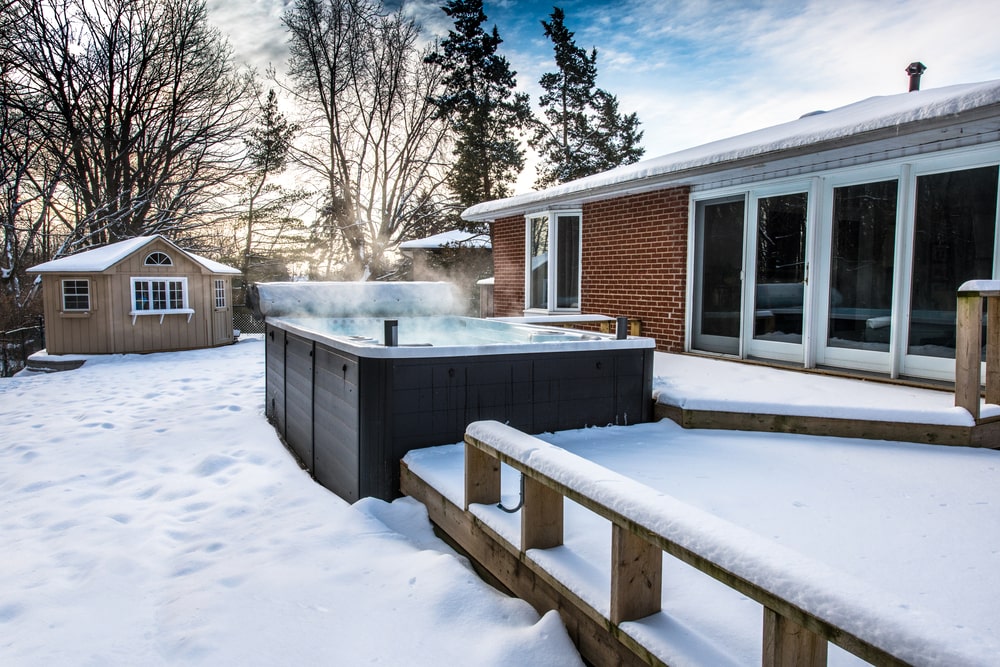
(351,418)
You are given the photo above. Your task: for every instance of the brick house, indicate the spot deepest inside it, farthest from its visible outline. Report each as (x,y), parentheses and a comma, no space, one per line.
(835,240)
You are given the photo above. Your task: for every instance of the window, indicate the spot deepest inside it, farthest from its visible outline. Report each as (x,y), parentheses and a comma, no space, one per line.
(552,271)
(76,295)
(220,293)
(155,295)
(158,259)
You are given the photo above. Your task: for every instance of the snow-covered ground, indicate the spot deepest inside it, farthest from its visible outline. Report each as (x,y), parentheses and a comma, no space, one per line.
(150,515)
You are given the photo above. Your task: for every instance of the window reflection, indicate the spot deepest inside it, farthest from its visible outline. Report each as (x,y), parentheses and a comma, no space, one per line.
(953,242)
(781,262)
(864,232)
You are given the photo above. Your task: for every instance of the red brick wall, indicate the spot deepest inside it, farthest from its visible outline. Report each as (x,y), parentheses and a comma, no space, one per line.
(508,267)
(634,262)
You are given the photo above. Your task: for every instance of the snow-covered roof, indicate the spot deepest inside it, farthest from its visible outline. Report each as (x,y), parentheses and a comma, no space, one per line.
(103,258)
(859,123)
(450,239)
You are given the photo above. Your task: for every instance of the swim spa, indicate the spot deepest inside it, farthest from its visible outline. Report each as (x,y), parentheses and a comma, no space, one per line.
(351,395)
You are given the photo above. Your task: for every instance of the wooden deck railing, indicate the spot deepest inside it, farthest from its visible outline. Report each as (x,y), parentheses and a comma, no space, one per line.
(969,344)
(646,523)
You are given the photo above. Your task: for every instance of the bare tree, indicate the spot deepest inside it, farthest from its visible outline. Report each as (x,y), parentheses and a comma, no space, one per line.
(372,133)
(143,100)
(28,177)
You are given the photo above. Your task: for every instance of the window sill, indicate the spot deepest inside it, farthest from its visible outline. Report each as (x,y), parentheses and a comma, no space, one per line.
(175,311)
(74,314)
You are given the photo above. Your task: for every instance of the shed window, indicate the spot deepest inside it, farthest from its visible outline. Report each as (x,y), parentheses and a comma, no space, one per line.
(76,295)
(153,295)
(553,247)
(158,259)
(220,293)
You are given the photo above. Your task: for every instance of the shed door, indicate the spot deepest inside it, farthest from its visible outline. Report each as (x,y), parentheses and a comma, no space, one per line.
(222,313)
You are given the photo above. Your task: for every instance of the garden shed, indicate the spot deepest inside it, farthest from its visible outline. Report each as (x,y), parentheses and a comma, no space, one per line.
(144,294)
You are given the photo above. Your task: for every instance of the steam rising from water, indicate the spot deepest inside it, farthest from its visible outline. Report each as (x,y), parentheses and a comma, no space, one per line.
(355,299)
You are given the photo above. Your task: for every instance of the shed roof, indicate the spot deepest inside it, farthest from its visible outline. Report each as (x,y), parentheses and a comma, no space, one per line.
(450,239)
(103,258)
(874,119)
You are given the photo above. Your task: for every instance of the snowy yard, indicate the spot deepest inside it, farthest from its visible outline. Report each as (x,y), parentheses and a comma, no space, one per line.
(150,516)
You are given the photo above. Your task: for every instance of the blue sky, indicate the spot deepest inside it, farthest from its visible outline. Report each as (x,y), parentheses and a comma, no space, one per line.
(700,70)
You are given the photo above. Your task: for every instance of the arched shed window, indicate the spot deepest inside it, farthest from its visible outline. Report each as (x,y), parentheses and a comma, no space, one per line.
(158,259)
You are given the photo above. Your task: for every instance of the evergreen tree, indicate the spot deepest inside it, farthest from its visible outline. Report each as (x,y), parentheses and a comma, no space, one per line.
(479,101)
(268,226)
(583,133)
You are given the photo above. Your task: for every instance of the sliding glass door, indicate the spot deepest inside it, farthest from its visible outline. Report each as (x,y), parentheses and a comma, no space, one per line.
(953,241)
(780,270)
(718,270)
(856,269)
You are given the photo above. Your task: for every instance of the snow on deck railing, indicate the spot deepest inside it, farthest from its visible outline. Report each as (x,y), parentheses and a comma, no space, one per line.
(806,603)
(969,344)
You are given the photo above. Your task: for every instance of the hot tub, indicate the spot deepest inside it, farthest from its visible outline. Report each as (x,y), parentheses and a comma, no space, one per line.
(350,406)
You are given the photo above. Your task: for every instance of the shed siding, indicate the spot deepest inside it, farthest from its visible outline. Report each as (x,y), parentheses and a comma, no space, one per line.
(108,327)
(634,262)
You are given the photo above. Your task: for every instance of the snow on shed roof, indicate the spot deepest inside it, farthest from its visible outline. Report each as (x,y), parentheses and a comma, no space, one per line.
(854,120)
(451,238)
(103,258)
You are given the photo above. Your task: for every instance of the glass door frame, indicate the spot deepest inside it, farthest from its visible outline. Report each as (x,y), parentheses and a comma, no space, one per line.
(765,349)
(851,358)
(938,368)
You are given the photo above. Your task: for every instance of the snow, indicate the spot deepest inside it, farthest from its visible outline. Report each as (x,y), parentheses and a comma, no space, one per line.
(455,238)
(150,515)
(875,113)
(703,383)
(103,258)
(980,286)
(896,539)
(845,601)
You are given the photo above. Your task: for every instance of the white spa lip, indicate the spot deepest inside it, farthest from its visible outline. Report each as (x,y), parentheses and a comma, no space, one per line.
(363,337)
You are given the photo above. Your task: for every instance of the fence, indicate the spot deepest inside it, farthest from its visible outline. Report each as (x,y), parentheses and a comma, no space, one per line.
(17,345)
(806,603)
(244,320)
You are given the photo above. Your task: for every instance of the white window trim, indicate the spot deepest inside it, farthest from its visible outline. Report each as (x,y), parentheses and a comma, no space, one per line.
(552,216)
(219,293)
(169,262)
(63,295)
(183,310)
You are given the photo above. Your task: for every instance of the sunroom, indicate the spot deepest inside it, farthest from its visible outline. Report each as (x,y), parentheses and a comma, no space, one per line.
(852,268)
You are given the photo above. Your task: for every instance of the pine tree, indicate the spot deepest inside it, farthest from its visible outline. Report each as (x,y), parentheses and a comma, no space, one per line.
(583,133)
(479,101)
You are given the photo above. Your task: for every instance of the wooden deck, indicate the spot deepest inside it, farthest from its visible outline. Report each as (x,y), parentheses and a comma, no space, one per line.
(986,433)
(807,605)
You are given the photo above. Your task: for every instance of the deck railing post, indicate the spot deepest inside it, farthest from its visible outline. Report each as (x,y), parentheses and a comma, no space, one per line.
(968,346)
(482,477)
(541,516)
(636,576)
(788,644)
(993,349)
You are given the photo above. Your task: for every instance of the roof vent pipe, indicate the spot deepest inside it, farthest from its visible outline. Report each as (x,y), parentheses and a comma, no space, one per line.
(915,70)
